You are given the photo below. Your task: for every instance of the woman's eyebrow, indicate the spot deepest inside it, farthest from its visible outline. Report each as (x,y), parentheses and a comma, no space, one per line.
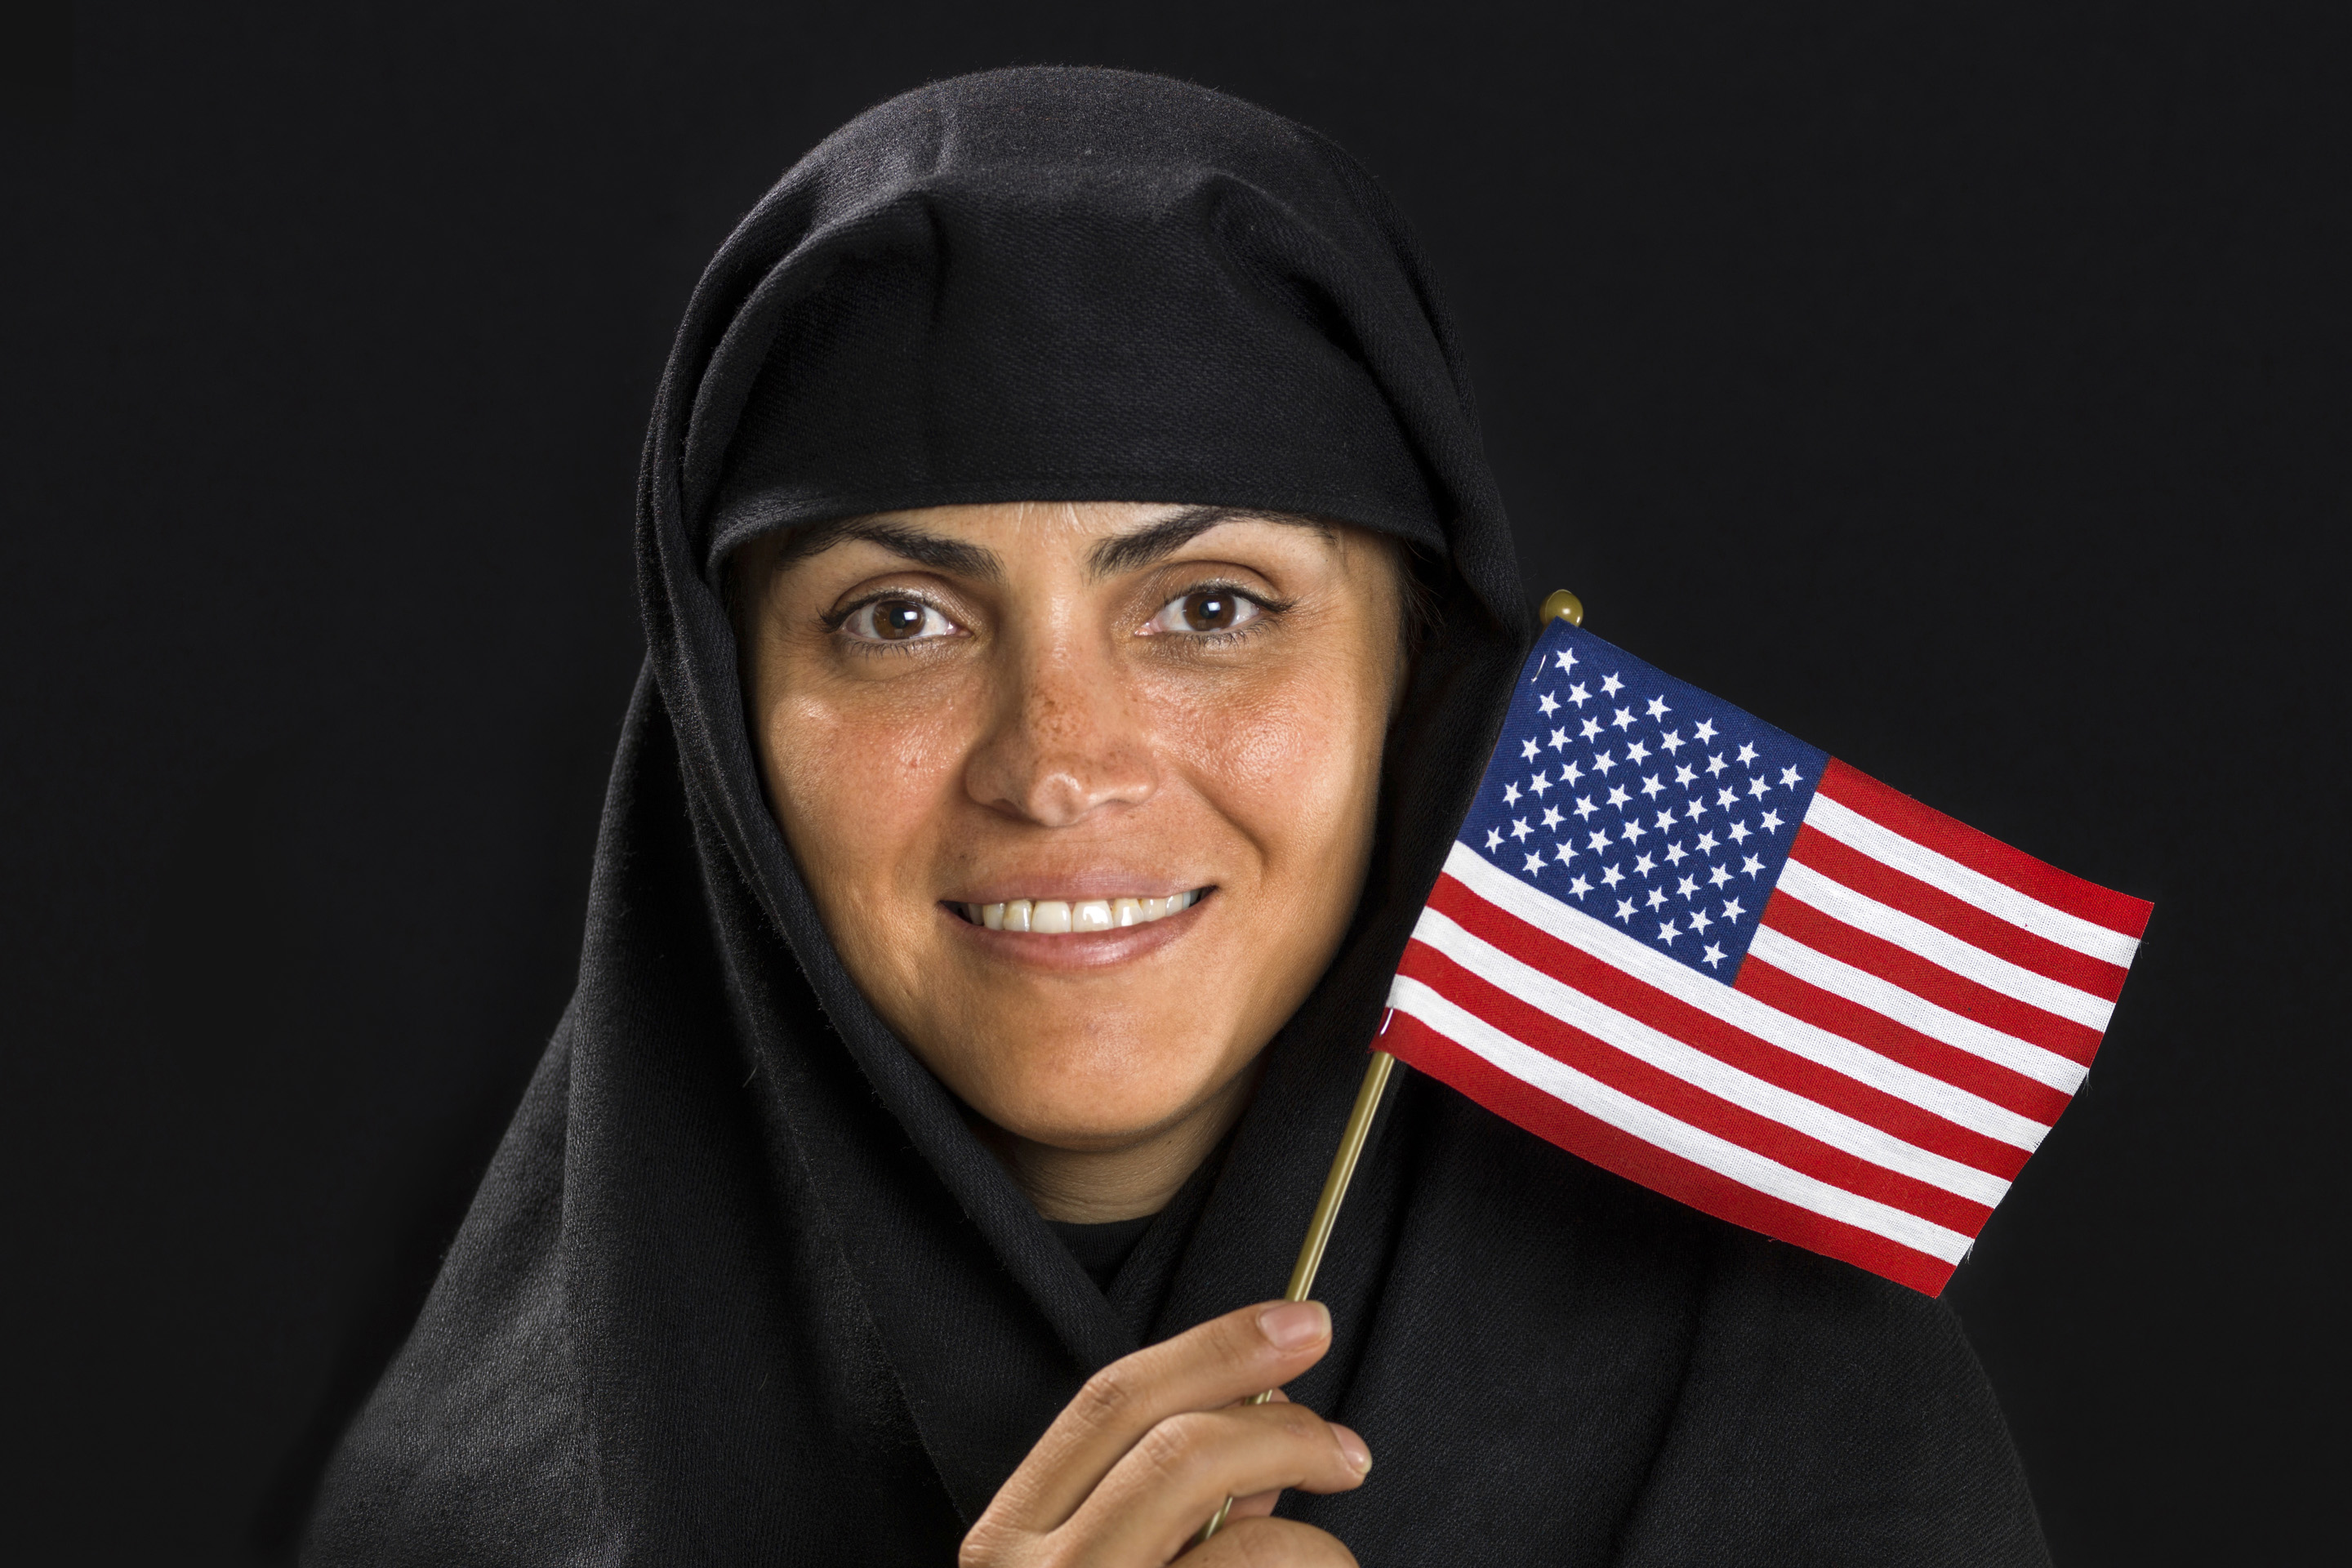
(1156,542)
(933,550)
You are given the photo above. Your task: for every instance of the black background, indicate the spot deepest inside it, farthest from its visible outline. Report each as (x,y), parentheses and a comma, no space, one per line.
(1961,389)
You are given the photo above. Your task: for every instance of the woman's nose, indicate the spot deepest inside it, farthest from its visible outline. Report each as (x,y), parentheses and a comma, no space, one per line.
(1066,740)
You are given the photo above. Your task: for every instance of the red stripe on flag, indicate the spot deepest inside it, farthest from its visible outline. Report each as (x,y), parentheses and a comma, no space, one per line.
(1850,866)
(1589,1138)
(1927,979)
(1986,1080)
(1924,825)
(1613,987)
(1686,1101)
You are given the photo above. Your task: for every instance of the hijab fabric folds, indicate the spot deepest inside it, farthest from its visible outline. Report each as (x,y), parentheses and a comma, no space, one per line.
(742,1286)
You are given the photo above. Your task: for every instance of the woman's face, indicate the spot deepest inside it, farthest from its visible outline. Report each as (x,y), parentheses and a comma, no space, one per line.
(1151,733)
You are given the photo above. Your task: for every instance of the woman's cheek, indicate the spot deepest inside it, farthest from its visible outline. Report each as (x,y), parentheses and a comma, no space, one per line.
(864,784)
(1292,763)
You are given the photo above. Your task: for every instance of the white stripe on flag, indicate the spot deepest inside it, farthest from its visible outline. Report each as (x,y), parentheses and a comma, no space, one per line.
(1940,947)
(1882,843)
(1695,1068)
(1654,1127)
(1864,989)
(1567,923)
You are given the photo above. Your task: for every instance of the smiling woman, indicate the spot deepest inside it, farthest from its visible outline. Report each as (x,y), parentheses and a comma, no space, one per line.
(1078,614)
(1085,794)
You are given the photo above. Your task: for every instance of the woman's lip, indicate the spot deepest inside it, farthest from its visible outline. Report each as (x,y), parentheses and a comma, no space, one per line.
(1075,890)
(1077,950)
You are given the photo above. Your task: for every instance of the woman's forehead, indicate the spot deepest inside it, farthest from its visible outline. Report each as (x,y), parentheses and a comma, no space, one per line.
(1111,538)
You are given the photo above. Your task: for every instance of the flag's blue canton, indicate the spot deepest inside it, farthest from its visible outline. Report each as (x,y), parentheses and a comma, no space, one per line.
(1641,801)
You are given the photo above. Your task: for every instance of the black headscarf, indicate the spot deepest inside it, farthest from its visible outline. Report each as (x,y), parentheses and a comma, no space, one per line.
(741,1285)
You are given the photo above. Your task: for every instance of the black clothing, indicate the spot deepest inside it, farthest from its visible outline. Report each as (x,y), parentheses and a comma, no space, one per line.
(1102,1248)
(741,1285)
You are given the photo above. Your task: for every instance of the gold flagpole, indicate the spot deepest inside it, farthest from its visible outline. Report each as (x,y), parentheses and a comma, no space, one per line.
(1327,1211)
(1568,606)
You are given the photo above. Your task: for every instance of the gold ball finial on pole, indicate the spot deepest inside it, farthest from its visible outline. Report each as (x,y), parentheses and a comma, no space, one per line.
(1565,604)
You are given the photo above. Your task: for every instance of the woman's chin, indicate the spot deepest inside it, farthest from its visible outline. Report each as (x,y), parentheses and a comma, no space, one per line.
(1085,1113)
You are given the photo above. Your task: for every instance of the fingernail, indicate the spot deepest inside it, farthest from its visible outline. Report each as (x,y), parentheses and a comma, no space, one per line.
(1289,1325)
(1358,1456)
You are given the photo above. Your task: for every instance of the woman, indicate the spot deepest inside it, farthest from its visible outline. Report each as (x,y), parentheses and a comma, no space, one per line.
(1063,510)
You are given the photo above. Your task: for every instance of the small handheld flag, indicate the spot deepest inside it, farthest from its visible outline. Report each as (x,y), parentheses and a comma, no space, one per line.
(1693,950)
(1698,952)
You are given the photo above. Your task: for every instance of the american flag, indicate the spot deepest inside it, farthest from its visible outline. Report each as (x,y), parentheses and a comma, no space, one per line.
(1697,951)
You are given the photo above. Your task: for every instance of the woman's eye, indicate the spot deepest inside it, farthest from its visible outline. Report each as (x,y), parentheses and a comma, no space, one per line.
(1206,610)
(897,620)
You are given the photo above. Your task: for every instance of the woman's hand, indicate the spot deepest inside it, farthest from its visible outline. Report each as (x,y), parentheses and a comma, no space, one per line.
(1153,1444)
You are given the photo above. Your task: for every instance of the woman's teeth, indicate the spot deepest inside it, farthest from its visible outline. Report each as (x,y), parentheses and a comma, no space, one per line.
(1057,917)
